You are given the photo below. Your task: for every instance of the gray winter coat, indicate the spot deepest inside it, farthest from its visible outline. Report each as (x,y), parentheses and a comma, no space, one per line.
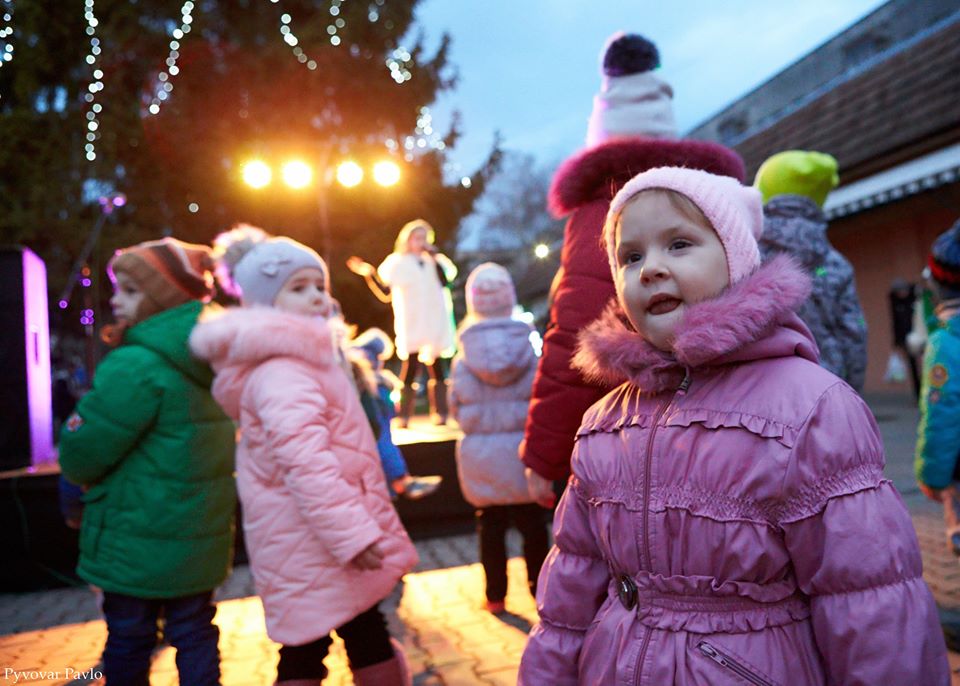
(796,225)
(489,394)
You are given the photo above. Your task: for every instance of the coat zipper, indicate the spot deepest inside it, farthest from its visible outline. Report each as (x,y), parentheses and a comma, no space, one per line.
(725,660)
(647,468)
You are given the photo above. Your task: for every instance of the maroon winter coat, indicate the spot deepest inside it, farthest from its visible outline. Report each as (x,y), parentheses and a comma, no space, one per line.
(584,186)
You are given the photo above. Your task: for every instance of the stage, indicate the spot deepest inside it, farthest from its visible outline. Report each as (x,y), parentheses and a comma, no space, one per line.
(40,551)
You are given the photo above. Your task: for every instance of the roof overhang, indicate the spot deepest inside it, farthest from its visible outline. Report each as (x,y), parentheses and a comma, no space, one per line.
(909,178)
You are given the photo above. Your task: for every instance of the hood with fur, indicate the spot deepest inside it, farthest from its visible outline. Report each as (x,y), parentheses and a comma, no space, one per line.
(753,319)
(598,172)
(497,350)
(235,341)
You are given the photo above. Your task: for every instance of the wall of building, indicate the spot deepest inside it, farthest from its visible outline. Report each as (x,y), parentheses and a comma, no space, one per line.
(885,243)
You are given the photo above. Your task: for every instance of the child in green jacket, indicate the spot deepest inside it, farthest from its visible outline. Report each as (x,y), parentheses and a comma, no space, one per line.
(155,453)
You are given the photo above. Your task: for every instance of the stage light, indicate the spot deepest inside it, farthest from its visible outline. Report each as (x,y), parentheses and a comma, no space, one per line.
(349,174)
(256,174)
(297,174)
(541,251)
(386,173)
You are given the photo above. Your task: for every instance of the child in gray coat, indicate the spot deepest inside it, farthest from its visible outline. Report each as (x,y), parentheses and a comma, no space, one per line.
(794,185)
(490,391)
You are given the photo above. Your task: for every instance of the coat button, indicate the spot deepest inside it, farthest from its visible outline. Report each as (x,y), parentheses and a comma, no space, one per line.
(626,591)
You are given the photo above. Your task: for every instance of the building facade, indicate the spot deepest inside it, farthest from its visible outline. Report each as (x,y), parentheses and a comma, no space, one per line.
(883,97)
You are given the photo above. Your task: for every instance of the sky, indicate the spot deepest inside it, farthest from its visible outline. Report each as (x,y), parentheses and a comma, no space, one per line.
(530,68)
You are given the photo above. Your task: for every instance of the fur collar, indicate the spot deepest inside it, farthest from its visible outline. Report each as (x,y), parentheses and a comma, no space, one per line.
(599,172)
(753,319)
(247,336)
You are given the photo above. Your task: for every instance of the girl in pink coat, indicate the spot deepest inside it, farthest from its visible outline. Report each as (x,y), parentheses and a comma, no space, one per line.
(727,520)
(324,542)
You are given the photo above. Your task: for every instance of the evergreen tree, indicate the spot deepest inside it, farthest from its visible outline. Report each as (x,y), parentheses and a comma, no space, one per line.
(319,80)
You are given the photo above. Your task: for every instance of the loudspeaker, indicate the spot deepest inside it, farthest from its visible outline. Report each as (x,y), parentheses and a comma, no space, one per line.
(26,413)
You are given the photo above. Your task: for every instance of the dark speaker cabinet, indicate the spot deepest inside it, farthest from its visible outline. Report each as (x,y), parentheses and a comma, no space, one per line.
(26,416)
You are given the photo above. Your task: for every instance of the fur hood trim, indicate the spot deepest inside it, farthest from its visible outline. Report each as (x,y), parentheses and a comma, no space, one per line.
(752,319)
(247,336)
(599,172)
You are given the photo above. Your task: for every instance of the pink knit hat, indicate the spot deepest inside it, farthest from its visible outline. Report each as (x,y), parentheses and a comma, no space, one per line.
(734,211)
(490,291)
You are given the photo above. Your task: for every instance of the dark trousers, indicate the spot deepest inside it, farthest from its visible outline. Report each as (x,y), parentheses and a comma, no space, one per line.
(436,387)
(132,625)
(411,367)
(492,525)
(365,637)
(914,372)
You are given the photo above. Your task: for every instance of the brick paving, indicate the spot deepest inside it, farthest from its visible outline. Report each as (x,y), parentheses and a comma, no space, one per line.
(436,613)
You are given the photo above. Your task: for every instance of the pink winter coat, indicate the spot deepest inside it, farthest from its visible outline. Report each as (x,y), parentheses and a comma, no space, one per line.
(308,475)
(733,495)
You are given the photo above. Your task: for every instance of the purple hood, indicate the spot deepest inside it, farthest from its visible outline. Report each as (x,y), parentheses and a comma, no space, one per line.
(497,350)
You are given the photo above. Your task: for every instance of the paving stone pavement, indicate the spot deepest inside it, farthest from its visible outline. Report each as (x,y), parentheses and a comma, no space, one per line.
(436,613)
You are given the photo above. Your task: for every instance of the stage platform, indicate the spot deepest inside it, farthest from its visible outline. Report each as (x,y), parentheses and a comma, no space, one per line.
(40,551)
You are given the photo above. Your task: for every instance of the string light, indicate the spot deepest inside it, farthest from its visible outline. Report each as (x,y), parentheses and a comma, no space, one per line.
(397,62)
(96,84)
(291,39)
(337,23)
(86,314)
(424,138)
(164,86)
(6,46)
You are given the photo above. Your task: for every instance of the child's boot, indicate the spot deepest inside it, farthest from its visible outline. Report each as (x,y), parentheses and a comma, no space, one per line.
(438,400)
(417,487)
(408,396)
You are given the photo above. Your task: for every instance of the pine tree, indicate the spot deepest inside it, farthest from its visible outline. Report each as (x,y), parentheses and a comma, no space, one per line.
(322,90)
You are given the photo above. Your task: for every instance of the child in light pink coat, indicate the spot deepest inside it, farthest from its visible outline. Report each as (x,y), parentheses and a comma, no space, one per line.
(325,544)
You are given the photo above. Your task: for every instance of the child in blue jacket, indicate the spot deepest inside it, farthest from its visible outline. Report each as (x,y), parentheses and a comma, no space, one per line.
(938,435)
(375,347)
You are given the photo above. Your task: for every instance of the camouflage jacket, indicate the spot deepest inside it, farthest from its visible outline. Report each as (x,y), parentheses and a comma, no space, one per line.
(796,225)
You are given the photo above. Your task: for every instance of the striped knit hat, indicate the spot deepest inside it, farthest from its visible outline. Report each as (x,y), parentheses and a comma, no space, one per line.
(944,260)
(170,273)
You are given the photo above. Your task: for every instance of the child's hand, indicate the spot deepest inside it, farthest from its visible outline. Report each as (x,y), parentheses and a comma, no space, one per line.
(540,489)
(358,266)
(370,557)
(935,494)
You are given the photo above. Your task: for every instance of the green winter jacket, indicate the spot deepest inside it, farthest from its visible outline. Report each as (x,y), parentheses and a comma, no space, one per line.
(156,451)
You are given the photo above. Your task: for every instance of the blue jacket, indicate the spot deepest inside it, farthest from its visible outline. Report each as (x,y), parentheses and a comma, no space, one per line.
(394,466)
(938,435)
